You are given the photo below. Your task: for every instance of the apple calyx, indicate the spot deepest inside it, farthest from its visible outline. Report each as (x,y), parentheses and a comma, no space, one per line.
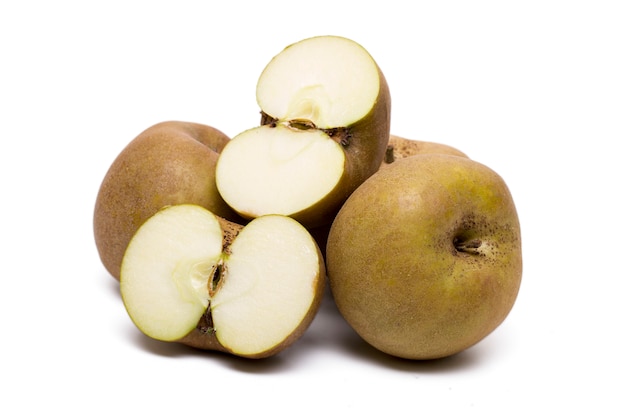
(205,326)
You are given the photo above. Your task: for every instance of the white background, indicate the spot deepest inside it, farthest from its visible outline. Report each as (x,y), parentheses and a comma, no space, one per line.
(534,89)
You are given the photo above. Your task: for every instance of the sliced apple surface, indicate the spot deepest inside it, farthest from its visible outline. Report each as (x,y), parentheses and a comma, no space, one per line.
(279,170)
(324,129)
(167,269)
(328,80)
(251,292)
(271,281)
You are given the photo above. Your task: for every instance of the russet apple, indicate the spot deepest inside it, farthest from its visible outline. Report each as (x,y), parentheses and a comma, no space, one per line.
(169,163)
(400,147)
(425,259)
(191,277)
(325,123)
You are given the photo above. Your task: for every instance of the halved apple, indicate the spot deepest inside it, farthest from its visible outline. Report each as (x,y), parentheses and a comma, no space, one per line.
(192,277)
(324,129)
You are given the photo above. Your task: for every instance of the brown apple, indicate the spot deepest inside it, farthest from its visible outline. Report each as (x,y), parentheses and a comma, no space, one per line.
(169,163)
(424,259)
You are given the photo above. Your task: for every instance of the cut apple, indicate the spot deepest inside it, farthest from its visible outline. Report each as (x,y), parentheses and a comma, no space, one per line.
(324,129)
(327,80)
(251,292)
(285,170)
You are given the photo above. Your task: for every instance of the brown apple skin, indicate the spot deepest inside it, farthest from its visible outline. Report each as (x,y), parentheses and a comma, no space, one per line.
(364,143)
(169,163)
(205,338)
(424,259)
(400,147)
(397,148)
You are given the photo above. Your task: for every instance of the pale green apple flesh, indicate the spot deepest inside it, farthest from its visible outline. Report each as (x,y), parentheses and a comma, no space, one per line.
(286,169)
(325,125)
(328,81)
(167,269)
(271,280)
(251,294)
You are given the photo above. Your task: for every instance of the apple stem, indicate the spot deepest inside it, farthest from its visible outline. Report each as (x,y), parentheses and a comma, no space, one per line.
(469,246)
(389,156)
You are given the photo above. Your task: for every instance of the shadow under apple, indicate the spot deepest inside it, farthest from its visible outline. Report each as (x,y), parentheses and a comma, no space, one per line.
(329,333)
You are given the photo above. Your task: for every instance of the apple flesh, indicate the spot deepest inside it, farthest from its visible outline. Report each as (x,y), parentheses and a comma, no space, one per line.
(192,277)
(424,259)
(169,163)
(324,130)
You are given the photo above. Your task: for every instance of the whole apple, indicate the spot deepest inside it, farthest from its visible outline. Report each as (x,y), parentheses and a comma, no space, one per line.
(169,163)
(424,259)
(400,147)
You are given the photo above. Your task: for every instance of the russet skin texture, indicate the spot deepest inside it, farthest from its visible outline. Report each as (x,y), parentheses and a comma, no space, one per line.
(397,148)
(424,259)
(169,163)
(400,147)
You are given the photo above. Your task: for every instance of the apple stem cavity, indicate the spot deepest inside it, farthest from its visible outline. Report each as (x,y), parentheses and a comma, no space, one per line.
(471,246)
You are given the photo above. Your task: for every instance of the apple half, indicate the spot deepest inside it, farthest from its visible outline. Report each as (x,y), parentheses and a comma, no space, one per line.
(325,124)
(192,277)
